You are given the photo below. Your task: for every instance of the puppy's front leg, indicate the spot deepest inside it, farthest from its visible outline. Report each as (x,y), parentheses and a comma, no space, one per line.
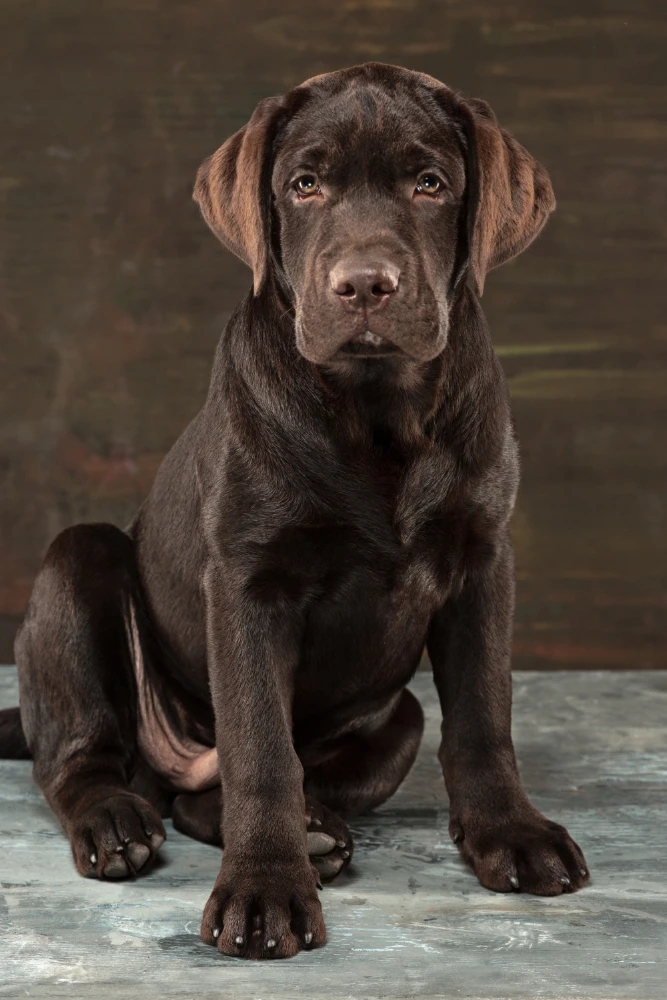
(500,834)
(264,903)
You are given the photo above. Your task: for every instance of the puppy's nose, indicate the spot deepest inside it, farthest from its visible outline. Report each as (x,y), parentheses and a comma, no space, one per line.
(364,284)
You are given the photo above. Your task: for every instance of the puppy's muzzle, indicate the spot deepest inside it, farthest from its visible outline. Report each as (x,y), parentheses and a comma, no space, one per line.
(362,288)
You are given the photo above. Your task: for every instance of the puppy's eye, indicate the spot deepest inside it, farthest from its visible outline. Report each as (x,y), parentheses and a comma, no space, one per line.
(307,185)
(428,184)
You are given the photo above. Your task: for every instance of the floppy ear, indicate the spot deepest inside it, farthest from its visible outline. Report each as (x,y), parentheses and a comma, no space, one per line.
(233,190)
(509,193)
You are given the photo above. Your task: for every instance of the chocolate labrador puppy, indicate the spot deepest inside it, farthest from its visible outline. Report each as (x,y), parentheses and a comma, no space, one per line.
(238,657)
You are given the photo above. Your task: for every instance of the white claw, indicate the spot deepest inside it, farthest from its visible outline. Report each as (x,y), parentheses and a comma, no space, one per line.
(216,932)
(239,940)
(93,859)
(319,843)
(308,937)
(270,943)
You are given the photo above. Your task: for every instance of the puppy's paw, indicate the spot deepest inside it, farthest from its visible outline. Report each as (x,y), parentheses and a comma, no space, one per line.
(522,852)
(116,837)
(330,843)
(263,911)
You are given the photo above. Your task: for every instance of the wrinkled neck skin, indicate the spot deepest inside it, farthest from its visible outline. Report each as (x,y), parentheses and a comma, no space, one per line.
(392,403)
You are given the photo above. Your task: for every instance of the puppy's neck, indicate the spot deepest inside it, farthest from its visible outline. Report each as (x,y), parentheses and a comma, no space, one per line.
(389,403)
(384,402)
(397,398)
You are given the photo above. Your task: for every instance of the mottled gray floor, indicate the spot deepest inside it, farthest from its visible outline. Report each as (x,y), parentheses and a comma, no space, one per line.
(408,920)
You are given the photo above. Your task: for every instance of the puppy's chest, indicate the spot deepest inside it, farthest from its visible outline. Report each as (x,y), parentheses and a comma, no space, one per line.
(365,629)
(396,541)
(385,575)
(366,577)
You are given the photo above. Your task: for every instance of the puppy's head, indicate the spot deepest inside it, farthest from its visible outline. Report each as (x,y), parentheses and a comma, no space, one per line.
(374,191)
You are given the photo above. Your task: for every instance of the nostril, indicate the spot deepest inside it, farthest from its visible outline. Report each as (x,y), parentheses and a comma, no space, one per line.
(384,287)
(345,289)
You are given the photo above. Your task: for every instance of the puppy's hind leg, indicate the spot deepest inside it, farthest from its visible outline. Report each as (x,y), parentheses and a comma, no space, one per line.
(358,775)
(78,700)
(199,815)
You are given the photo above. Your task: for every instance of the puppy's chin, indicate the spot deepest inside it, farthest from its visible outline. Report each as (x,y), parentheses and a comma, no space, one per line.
(372,346)
(419,348)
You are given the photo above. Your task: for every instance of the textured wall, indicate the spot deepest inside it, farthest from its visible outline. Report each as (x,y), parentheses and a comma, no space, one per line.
(112,292)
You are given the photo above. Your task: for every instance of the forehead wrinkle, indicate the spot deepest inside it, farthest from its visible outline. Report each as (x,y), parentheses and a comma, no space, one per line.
(354,127)
(358,105)
(360,110)
(370,101)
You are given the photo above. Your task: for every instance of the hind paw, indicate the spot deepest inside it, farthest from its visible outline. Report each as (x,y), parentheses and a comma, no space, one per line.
(330,843)
(116,837)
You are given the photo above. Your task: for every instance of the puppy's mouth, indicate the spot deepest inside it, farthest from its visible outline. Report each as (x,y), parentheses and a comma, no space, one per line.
(368,345)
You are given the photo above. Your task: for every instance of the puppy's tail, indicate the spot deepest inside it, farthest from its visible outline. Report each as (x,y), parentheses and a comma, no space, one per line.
(13,745)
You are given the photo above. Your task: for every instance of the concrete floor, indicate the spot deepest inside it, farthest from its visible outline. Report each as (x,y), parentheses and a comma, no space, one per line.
(408,920)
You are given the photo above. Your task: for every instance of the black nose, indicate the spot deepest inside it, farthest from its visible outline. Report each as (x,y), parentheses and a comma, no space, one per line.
(364,283)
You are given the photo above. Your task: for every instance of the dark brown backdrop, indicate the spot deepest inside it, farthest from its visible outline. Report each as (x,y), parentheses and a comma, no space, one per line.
(112,292)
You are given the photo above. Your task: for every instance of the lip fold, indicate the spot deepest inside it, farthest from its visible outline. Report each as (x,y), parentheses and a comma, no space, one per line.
(367,344)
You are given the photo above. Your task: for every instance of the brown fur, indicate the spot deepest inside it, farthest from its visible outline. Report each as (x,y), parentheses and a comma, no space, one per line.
(238,656)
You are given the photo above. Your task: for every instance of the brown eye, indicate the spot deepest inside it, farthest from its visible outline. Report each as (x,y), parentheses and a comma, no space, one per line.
(307,185)
(428,184)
